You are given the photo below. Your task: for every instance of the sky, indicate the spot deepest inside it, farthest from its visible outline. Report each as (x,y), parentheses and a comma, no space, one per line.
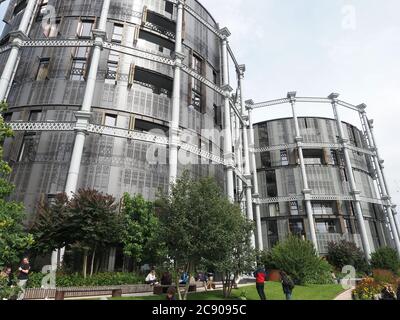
(316,47)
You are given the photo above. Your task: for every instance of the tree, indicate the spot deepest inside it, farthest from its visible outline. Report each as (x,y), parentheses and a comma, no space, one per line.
(299,259)
(93,222)
(140,232)
(199,226)
(50,228)
(14,240)
(346,253)
(386,258)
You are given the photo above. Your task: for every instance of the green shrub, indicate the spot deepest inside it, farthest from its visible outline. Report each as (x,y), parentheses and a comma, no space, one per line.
(346,253)
(386,258)
(385,277)
(299,259)
(77,280)
(7,292)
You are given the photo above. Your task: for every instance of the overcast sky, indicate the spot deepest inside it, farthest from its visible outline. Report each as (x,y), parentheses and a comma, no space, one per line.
(317,47)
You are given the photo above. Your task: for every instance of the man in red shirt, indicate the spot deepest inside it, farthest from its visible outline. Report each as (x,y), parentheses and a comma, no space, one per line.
(261,277)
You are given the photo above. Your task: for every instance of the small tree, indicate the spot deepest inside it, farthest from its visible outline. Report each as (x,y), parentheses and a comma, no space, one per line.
(345,253)
(50,227)
(299,259)
(140,232)
(14,240)
(201,227)
(387,259)
(93,222)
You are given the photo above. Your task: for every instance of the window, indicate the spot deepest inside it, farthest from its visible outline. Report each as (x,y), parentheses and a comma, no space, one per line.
(21,5)
(272,189)
(266,159)
(274,210)
(112,66)
(7,116)
(85,28)
(43,8)
(80,56)
(117,34)
(322,208)
(273,236)
(215,77)
(164,45)
(296,227)
(160,23)
(146,126)
(348,226)
(169,7)
(313,157)
(334,157)
(217,116)
(43,69)
(197,65)
(327,226)
(27,147)
(284,158)
(110,120)
(35,115)
(50,30)
(156,81)
(294,208)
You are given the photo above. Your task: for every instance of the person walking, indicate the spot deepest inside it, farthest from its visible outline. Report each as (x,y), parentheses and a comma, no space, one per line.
(166,279)
(287,285)
(261,277)
(23,276)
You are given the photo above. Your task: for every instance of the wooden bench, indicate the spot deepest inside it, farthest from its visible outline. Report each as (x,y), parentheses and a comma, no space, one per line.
(115,291)
(159,289)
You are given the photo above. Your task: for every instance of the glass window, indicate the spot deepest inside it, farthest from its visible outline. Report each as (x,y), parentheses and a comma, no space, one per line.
(35,115)
(85,28)
(284,158)
(7,116)
(273,237)
(274,210)
(322,208)
(327,226)
(110,120)
(78,70)
(43,69)
(117,34)
(294,208)
(296,227)
(27,147)
(272,189)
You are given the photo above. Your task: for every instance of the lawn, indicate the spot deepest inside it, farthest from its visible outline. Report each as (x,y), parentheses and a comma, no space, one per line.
(273,291)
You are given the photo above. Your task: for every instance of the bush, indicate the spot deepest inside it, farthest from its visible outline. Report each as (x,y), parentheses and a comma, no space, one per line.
(385,277)
(7,292)
(345,253)
(77,280)
(299,259)
(387,259)
(367,289)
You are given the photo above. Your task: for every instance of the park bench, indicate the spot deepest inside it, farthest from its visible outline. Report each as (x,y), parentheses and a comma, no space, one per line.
(115,291)
(81,292)
(161,289)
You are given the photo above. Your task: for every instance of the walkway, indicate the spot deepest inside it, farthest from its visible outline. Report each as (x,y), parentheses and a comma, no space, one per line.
(345,295)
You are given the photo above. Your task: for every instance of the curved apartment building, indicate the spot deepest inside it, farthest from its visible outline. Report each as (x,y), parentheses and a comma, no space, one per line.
(321,180)
(120,96)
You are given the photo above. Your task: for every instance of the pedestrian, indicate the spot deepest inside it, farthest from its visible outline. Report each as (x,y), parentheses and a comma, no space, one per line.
(7,273)
(287,285)
(184,278)
(151,278)
(23,276)
(388,293)
(261,277)
(166,279)
(171,294)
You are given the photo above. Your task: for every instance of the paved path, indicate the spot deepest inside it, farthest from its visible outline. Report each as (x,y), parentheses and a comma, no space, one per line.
(345,295)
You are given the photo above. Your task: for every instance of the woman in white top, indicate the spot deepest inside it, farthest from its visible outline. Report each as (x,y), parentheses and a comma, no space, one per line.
(151,278)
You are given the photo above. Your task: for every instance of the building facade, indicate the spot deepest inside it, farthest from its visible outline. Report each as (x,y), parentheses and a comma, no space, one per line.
(321,180)
(102,95)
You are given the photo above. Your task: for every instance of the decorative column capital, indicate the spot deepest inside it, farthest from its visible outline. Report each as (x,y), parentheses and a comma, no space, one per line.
(18,35)
(362,107)
(371,123)
(334,97)
(299,140)
(82,120)
(227,90)
(242,70)
(356,194)
(225,33)
(249,105)
(97,33)
(178,56)
(292,96)
(180,2)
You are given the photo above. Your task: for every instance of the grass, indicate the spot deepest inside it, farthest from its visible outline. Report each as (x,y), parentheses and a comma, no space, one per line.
(273,291)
